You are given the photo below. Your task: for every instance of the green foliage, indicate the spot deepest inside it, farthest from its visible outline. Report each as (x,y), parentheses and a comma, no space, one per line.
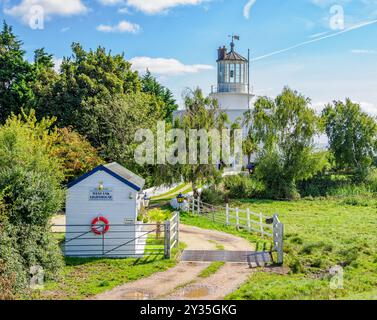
(213,196)
(111,126)
(249,146)
(286,127)
(158,215)
(371,180)
(16,74)
(323,185)
(319,234)
(352,136)
(30,188)
(75,153)
(202,113)
(84,278)
(151,86)
(88,78)
(240,186)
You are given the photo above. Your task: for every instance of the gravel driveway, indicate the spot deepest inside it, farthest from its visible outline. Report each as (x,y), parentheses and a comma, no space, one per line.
(183,281)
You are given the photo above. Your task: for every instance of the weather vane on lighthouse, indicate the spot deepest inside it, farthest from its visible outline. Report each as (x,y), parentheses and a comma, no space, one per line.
(234,37)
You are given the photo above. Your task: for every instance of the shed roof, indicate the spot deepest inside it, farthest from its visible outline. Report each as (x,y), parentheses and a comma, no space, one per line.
(117,171)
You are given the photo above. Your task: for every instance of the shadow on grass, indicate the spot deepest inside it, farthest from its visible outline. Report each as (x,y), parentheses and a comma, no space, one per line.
(74,261)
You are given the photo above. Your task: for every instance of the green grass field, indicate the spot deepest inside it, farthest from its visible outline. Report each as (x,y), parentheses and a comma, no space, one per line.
(319,234)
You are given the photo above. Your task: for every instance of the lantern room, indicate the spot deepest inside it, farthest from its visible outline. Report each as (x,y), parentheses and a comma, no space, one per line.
(232,71)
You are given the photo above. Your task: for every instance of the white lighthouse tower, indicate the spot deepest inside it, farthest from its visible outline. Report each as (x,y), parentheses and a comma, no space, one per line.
(233,86)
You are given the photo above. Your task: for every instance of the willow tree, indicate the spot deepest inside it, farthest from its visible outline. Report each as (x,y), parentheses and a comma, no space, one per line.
(352,136)
(286,128)
(202,115)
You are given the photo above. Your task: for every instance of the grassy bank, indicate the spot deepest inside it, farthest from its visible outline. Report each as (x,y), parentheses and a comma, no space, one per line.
(85,278)
(319,234)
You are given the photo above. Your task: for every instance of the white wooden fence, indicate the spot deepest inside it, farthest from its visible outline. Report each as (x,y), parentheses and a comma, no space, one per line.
(245,219)
(171,234)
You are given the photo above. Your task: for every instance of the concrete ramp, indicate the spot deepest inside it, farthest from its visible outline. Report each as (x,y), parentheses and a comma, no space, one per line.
(250,257)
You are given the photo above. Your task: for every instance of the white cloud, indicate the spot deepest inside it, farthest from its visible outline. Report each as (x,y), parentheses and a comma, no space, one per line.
(159,6)
(363,51)
(247,8)
(369,108)
(121,27)
(50,8)
(166,67)
(111,2)
(57,63)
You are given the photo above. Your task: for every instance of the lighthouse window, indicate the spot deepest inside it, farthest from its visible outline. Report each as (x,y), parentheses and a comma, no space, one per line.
(231,73)
(238,73)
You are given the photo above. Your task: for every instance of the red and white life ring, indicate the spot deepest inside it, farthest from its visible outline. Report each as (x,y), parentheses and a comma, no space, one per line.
(100,229)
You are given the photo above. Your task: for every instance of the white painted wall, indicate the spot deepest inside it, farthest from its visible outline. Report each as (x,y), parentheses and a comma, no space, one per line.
(235,101)
(81,211)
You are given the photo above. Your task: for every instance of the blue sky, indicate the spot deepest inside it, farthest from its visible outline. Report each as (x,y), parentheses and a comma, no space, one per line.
(177,40)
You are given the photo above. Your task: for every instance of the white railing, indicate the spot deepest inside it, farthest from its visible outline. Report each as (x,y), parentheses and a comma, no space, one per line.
(171,234)
(243,219)
(230,88)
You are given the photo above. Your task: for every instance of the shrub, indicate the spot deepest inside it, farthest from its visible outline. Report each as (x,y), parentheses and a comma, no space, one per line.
(239,187)
(371,180)
(6,283)
(213,196)
(30,189)
(323,185)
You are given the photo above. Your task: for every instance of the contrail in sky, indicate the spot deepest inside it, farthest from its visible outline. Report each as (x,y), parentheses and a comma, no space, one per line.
(355,27)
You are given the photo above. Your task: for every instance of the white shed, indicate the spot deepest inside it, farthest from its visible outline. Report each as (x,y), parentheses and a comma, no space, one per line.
(101,213)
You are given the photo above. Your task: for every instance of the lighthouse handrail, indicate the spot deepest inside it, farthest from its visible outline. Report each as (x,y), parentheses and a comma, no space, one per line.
(230,88)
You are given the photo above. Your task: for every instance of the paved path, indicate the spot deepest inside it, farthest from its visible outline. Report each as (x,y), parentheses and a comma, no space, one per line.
(182,281)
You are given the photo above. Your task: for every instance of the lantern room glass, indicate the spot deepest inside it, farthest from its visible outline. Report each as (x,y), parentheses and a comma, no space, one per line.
(232,76)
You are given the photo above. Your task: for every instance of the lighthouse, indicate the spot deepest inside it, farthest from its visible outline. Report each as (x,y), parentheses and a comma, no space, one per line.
(233,82)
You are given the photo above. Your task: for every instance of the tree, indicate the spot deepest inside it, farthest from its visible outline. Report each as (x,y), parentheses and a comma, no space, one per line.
(111,126)
(202,113)
(44,82)
(249,147)
(89,78)
(150,85)
(16,74)
(352,136)
(75,153)
(286,127)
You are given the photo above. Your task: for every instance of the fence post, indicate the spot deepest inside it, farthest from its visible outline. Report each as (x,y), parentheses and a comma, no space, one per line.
(177,221)
(227,214)
(278,230)
(248,220)
(167,240)
(238,217)
(103,244)
(193,205)
(261,223)
(198,201)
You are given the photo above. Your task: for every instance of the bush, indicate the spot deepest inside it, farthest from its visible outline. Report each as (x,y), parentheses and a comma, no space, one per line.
(13,274)
(323,185)
(30,188)
(239,187)
(213,196)
(371,180)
